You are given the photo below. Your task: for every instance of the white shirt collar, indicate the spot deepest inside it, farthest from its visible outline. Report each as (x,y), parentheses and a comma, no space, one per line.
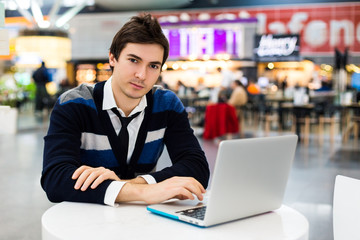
(109,100)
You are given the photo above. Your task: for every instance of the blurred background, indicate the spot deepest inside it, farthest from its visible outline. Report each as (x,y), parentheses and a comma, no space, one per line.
(298,63)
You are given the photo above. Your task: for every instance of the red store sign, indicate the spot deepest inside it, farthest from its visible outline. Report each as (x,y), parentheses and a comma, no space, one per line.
(322,27)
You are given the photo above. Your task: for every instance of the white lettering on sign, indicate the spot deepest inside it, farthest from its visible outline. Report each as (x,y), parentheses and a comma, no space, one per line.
(296,23)
(270,46)
(336,27)
(315,33)
(277,27)
(261,25)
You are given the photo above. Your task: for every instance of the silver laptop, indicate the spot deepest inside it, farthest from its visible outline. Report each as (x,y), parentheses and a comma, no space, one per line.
(249,178)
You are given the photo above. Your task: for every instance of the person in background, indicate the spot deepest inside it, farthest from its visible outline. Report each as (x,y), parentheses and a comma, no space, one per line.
(104,141)
(239,96)
(41,77)
(284,85)
(222,93)
(226,80)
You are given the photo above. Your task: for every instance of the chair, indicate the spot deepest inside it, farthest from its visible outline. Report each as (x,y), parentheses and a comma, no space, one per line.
(255,108)
(302,116)
(346,208)
(272,114)
(353,124)
(220,119)
(326,113)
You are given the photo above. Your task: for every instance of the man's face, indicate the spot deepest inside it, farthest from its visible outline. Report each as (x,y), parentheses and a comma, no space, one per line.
(136,70)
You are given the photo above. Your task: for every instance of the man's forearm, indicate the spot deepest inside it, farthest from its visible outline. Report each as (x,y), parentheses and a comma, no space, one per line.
(131,191)
(138,180)
(175,187)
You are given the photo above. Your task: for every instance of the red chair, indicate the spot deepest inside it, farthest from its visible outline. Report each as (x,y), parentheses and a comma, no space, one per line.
(220,119)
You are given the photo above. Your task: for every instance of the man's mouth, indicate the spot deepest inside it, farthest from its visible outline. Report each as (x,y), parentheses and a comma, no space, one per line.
(137,86)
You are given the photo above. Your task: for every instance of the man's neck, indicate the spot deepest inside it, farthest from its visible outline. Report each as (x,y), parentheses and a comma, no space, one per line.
(125,103)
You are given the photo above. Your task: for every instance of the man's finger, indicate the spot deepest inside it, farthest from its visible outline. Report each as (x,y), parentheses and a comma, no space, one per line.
(194,187)
(196,190)
(98,180)
(81,179)
(91,178)
(78,171)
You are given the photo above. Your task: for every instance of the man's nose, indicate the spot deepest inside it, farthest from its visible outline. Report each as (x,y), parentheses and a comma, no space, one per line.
(141,73)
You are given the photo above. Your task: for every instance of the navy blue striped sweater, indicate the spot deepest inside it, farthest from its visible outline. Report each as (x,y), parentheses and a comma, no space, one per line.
(81,133)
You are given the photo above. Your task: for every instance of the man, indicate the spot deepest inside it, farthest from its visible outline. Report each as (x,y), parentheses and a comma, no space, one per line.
(227,78)
(41,77)
(223,92)
(84,149)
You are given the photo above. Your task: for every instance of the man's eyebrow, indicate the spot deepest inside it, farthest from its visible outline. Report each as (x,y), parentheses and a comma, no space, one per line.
(140,59)
(134,56)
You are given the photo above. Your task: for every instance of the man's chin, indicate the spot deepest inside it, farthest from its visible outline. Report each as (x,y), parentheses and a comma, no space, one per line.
(136,95)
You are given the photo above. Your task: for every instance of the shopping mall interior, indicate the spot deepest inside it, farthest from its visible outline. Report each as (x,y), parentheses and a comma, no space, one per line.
(299,63)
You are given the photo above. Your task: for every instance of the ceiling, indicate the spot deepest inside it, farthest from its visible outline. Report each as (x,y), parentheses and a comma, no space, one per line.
(104,5)
(57,8)
(59,12)
(93,6)
(142,4)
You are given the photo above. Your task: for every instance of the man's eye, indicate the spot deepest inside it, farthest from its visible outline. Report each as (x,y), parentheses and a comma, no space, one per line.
(133,60)
(154,66)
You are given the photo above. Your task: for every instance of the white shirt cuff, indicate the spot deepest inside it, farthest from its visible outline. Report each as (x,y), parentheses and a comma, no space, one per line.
(148,178)
(112,191)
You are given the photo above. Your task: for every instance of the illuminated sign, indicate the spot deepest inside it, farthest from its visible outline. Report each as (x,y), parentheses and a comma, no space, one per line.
(198,43)
(276,48)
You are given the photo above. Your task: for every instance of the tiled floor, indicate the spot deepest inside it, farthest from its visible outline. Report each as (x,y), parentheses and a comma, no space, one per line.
(309,190)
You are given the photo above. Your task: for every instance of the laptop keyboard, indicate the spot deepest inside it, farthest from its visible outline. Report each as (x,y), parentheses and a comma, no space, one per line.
(198,213)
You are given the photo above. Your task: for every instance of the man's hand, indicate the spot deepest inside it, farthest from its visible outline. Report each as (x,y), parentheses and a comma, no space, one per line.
(86,175)
(175,187)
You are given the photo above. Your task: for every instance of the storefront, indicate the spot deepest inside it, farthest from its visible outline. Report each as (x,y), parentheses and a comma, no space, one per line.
(279,61)
(322,28)
(89,71)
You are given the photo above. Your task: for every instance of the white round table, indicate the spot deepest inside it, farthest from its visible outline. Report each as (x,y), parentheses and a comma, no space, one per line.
(68,220)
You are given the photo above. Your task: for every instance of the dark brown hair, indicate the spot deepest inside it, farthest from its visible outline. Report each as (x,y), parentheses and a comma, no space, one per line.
(140,29)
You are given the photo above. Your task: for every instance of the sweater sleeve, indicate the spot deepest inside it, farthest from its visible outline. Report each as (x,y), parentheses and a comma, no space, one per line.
(62,157)
(187,157)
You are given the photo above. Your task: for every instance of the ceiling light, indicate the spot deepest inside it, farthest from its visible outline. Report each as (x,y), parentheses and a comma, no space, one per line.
(70,14)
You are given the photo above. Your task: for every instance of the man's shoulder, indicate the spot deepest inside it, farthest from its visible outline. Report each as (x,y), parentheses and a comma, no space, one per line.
(82,92)
(162,94)
(165,99)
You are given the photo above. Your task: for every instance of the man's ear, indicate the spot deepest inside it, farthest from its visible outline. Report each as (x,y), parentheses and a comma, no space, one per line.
(112,59)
